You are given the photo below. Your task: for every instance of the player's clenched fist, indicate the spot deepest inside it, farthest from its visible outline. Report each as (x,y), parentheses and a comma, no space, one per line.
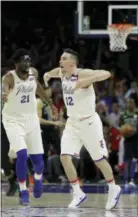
(4,97)
(59,124)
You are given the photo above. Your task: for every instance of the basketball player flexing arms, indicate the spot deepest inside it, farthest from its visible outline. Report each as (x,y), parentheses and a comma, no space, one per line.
(83,126)
(21,121)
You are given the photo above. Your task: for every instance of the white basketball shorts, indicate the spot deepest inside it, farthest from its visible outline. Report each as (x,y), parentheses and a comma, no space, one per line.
(88,132)
(24,134)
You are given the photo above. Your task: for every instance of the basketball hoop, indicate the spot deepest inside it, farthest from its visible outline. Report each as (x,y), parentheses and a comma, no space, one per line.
(118,34)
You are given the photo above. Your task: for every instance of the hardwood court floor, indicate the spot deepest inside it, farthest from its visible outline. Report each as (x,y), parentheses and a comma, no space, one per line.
(55,205)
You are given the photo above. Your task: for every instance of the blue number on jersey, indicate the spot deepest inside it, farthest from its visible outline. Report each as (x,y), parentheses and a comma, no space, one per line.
(69,100)
(25,99)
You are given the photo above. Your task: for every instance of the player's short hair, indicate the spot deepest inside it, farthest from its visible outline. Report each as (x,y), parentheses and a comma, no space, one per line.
(73,53)
(20,54)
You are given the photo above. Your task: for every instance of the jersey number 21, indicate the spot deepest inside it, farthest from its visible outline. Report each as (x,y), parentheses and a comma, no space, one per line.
(25,99)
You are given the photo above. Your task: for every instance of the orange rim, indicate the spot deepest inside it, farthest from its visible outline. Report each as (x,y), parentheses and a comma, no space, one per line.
(121,26)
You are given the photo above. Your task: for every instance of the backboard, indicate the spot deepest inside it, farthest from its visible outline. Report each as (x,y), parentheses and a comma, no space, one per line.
(92,18)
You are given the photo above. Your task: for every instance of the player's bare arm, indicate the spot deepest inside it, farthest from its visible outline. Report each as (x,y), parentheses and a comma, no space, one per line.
(89,76)
(54,73)
(40,91)
(7,85)
(42,94)
(42,120)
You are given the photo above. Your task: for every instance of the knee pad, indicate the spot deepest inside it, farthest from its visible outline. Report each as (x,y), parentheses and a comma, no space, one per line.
(22,155)
(38,163)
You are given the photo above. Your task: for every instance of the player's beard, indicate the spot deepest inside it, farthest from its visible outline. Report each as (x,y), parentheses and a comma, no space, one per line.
(24,70)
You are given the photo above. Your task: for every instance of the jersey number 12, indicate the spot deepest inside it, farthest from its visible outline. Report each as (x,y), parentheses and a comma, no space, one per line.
(69,100)
(25,99)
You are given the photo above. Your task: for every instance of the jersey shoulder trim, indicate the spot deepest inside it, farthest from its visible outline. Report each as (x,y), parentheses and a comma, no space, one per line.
(33,72)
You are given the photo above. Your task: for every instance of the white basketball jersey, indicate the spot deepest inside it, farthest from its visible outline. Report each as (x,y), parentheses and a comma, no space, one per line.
(79,103)
(22,98)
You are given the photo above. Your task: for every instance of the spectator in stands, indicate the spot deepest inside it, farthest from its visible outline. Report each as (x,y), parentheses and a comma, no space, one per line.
(54,167)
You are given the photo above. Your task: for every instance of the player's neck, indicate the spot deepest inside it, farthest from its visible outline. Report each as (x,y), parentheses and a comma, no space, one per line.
(70,72)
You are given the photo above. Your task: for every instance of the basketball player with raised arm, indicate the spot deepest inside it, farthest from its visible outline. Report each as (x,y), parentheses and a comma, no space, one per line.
(21,122)
(83,126)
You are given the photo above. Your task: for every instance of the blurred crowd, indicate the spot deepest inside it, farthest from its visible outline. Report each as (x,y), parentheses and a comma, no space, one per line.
(46,31)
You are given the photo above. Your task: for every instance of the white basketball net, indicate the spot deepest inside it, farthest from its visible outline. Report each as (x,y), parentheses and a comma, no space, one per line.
(118,34)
